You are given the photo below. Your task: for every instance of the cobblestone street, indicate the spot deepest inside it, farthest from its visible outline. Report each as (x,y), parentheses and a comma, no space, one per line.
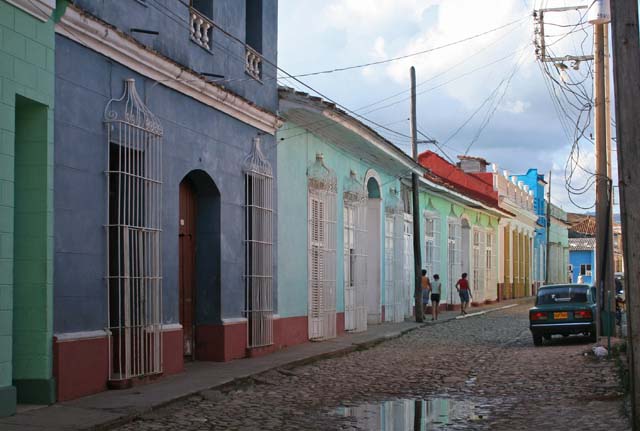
(481,372)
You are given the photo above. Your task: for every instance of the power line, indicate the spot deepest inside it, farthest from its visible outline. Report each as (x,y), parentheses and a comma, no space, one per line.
(402,57)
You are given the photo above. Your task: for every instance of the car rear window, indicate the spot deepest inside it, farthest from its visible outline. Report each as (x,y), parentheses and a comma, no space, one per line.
(564,294)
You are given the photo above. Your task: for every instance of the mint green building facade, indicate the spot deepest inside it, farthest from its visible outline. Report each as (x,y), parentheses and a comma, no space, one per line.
(457,233)
(26,202)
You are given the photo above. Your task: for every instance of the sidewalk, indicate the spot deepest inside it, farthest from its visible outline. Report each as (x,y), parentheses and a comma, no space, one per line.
(110,408)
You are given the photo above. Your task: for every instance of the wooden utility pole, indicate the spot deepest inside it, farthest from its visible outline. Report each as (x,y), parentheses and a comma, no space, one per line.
(548,228)
(417,258)
(626,74)
(604,254)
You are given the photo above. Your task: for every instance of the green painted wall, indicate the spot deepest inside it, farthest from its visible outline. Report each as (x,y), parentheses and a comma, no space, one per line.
(295,154)
(26,208)
(296,151)
(445,206)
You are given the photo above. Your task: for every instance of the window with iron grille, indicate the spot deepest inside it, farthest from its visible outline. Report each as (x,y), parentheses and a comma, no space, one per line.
(432,234)
(454,255)
(489,254)
(479,262)
(133,230)
(258,247)
(354,254)
(322,185)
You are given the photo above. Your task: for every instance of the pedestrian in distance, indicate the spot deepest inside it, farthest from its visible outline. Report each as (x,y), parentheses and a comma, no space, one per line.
(426,287)
(436,289)
(465,293)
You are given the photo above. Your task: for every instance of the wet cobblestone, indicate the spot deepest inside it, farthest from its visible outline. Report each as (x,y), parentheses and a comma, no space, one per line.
(488,361)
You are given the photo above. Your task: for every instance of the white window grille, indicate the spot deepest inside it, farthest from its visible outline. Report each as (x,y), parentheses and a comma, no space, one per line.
(408,266)
(134,208)
(479,262)
(355,257)
(432,234)
(516,260)
(258,244)
(394,261)
(454,255)
(322,187)
(490,281)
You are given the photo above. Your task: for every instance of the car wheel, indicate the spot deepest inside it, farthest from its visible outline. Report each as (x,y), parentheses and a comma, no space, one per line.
(547,337)
(593,337)
(537,340)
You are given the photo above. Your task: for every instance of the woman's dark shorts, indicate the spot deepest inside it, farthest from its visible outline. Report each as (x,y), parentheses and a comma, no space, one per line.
(464,295)
(435,297)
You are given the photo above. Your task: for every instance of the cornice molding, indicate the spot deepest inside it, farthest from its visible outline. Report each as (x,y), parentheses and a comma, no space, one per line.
(95,35)
(39,9)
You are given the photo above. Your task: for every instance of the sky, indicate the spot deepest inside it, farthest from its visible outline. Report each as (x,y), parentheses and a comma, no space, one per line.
(486,95)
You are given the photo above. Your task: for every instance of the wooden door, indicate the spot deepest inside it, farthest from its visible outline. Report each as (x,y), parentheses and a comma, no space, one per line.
(187,263)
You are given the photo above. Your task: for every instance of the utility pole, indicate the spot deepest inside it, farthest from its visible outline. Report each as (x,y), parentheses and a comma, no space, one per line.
(611,295)
(626,73)
(548,223)
(417,258)
(604,255)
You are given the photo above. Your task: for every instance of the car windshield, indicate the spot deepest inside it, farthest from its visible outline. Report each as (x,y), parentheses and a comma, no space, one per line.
(560,294)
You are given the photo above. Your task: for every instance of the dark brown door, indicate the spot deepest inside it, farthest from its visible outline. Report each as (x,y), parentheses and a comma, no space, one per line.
(187,229)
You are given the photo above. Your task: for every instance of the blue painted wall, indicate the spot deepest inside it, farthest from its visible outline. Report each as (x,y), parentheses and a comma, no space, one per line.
(227,57)
(536,183)
(195,137)
(577,258)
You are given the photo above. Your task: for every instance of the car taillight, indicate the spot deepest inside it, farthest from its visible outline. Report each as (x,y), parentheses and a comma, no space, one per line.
(538,315)
(582,314)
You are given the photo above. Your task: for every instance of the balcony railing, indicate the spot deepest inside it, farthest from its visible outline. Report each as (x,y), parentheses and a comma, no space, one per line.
(200,28)
(253,63)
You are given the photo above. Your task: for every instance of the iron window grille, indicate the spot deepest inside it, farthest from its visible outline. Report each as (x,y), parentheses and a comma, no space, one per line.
(322,188)
(355,257)
(454,256)
(394,309)
(259,215)
(133,230)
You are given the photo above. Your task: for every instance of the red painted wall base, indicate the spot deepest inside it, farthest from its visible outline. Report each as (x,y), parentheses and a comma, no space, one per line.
(81,366)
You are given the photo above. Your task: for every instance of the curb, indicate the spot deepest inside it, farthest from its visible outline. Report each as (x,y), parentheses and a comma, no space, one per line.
(354,347)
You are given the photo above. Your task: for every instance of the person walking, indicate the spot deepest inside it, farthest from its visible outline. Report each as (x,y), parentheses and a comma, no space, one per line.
(436,289)
(426,287)
(465,293)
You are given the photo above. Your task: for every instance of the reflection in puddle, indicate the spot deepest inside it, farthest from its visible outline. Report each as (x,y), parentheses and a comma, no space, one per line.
(423,415)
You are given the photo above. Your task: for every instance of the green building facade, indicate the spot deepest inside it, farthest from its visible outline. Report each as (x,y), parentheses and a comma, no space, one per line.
(457,233)
(27,64)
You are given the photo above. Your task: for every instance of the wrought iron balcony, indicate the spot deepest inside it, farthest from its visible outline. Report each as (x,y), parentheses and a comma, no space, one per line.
(253,63)
(200,28)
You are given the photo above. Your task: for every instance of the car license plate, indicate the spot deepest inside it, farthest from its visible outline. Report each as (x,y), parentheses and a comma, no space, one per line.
(558,315)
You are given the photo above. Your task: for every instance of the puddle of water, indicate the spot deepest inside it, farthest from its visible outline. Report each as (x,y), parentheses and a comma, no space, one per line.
(408,414)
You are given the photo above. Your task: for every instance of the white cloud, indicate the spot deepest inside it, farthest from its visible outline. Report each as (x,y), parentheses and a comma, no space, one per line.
(515,106)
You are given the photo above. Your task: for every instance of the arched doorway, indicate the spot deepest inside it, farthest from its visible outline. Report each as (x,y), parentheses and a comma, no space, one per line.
(374,313)
(198,259)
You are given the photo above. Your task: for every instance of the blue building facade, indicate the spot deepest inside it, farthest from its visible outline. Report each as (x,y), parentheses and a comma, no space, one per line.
(166,121)
(537,183)
(582,258)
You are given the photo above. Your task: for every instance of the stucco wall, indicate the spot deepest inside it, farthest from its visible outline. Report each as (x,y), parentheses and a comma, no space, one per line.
(296,151)
(578,258)
(195,137)
(226,58)
(26,217)
(295,154)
